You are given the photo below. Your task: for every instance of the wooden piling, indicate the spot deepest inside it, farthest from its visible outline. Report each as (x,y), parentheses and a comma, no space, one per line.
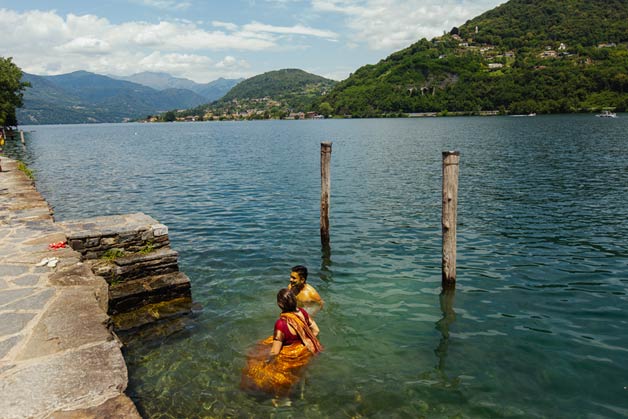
(451,160)
(22,137)
(325,192)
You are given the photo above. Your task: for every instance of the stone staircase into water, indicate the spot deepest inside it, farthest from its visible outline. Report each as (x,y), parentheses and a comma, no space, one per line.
(132,253)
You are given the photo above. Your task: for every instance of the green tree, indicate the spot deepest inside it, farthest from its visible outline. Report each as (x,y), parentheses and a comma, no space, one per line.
(170,116)
(325,109)
(11,91)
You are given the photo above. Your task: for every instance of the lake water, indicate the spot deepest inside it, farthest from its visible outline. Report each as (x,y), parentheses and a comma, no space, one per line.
(537,326)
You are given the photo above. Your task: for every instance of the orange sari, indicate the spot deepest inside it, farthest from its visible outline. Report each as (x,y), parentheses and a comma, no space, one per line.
(279,375)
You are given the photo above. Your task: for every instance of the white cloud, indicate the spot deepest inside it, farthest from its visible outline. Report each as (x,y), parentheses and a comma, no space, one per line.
(196,67)
(282,2)
(167,4)
(173,62)
(256,27)
(47,43)
(394,24)
(89,46)
(232,63)
(226,25)
(228,61)
(177,36)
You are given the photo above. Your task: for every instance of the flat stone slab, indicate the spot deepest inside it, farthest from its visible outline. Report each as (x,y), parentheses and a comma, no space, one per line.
(107,225)
(10,295)
(120,407)
(12,323)
(34,302)
(72,378)
(57,332)
(7,344)
(11,270)
(94,237)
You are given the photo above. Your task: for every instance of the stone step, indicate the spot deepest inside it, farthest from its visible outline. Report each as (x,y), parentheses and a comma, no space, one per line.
(129,295)
(137,265)
(165,317)
(93,237)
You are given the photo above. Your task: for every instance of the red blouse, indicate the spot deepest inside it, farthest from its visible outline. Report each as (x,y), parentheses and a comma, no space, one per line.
(282,325)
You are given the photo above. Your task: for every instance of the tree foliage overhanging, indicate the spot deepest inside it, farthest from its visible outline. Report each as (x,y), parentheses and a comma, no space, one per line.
(11,91)
(543,56)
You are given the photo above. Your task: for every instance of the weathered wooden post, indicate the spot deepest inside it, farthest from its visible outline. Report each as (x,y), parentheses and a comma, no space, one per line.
(451,160)
(325,187)
(22,137)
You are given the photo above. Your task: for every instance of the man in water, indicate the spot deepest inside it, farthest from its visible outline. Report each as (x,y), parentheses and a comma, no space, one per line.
(306,294)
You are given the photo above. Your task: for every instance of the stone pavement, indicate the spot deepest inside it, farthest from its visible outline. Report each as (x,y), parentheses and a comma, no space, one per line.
(58,356)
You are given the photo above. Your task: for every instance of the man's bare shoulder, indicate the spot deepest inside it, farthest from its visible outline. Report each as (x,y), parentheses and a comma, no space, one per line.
(308,293)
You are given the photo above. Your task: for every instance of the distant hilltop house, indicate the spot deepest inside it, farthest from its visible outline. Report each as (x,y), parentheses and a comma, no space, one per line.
(295,115)
(607,45)
(549,54)
(495,66)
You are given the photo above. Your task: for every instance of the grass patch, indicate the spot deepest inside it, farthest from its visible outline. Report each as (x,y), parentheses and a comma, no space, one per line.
(113,254)
(148,248)
(24,168)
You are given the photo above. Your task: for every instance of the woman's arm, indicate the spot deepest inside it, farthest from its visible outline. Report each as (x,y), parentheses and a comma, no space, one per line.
(276,347)
(314,327)
(278,339)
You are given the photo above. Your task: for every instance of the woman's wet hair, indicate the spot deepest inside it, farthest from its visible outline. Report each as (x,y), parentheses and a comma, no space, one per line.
(286,300)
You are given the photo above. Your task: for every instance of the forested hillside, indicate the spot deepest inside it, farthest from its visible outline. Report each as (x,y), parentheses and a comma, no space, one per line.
(524,56)
(270,95)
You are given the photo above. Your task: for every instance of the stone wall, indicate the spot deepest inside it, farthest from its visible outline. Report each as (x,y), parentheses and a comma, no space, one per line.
(58,355)
(132,253)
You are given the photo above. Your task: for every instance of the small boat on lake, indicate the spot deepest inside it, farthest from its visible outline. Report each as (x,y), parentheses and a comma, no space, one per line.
(607,114)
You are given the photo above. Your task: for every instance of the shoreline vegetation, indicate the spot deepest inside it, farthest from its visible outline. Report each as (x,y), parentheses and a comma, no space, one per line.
(315,116)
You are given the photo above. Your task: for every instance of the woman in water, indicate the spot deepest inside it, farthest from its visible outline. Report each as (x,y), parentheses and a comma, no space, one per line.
(276,364)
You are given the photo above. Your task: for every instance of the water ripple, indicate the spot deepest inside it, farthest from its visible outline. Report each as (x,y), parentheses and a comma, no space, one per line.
(542,259)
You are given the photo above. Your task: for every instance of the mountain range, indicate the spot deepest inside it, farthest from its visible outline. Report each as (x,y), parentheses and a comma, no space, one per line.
(83,97)
(162,81)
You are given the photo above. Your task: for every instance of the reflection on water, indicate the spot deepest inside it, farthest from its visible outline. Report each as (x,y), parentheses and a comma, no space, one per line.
(446,300)
(538,324)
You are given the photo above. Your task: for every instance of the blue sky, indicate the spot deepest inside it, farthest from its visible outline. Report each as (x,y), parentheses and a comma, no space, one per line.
(205,40)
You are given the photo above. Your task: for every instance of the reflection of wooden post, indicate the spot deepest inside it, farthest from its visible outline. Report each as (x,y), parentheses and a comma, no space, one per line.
(325,186)
(22,136)
(446,299)
(451,160)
